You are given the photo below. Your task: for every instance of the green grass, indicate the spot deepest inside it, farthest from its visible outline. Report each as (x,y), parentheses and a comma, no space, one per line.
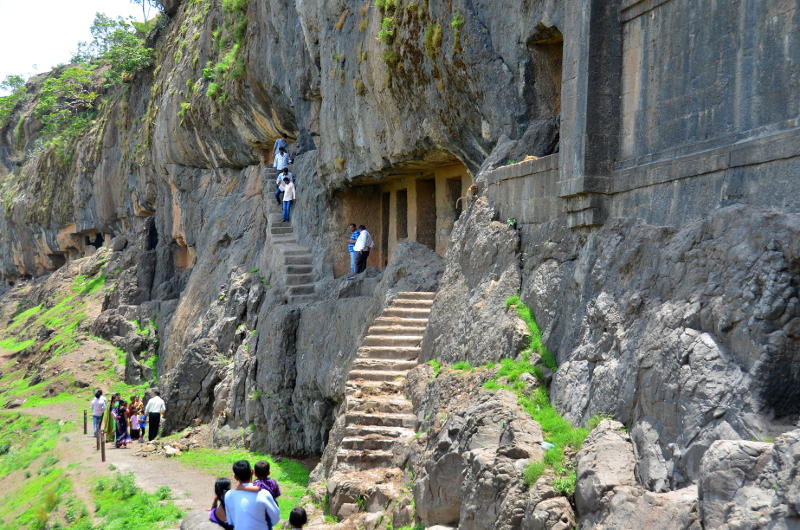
(27,439)
(535,345)
(123,506)
(290,474)
(436,365)
(12,346)
(462,366)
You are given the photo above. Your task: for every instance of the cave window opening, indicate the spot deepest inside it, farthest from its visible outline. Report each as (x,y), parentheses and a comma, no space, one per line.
(453,196)
(401,199)
(546,50)
(58,260)
(152,234)
(96,241)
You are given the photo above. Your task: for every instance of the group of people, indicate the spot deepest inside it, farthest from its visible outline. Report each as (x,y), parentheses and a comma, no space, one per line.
(252,504)
(125,422)
(359,243)
(284,182)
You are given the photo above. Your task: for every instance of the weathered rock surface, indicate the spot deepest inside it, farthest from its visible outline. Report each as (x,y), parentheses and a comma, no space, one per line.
(468,474)
(648,328)
(469,321)
(607,494)
(747,484)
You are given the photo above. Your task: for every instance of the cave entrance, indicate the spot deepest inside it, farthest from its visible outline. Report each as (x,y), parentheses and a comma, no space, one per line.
(426,212)
(418,203)
(94,239)
(544,72)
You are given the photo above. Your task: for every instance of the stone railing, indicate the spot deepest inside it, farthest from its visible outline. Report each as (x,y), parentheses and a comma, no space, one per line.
(527,191)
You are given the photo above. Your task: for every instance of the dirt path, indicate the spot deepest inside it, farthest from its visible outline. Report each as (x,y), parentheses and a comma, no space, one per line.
(191,489)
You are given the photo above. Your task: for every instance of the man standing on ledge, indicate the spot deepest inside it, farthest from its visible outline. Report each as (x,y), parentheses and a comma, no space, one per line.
(363,245)
(280,143)
(154,410)
(351,243)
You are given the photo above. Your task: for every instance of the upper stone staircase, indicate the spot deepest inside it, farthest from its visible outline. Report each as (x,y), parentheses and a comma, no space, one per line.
(290,258)
(377,413)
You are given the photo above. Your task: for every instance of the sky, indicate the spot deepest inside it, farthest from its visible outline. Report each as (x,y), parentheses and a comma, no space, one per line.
(39,34)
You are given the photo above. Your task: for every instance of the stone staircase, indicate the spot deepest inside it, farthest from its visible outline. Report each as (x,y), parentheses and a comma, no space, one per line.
(289,256)
(377,413)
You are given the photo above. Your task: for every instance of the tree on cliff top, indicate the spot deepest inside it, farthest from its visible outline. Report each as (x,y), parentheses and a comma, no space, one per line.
(115,43)
(146,6)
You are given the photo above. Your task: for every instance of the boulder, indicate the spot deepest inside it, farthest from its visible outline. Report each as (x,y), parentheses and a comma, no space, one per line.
(607,494)
(198,520)
(747,484)
(550,514)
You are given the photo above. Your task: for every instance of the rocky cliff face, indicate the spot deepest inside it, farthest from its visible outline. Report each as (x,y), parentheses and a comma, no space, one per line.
(688,335)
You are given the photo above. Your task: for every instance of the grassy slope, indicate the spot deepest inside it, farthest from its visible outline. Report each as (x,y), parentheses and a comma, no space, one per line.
(291,476)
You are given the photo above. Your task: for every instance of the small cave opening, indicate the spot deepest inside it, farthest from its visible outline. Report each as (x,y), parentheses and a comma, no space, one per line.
(94,239)
(57,259)
(151,240)
(544,78)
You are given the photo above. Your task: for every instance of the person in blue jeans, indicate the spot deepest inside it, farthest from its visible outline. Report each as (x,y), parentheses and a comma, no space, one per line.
(351,241)
(98,406)
(288,196)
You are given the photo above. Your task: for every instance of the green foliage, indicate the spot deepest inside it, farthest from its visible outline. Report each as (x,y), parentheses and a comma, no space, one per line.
(436,365)
(229,40)
(595,420)
(387,5)
(66,102)
(463,366)
(359,86)
(117,44)
(565,485)
(433,38)
(15,86)
(122,505)
(535,345)
(386,33)
(532,472)
(456,22)
(290,474)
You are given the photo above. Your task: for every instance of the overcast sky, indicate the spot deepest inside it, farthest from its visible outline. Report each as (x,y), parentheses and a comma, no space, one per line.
(36,35)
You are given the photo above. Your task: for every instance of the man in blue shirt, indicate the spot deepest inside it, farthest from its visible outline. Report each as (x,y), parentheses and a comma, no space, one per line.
(350,244)
(248,510)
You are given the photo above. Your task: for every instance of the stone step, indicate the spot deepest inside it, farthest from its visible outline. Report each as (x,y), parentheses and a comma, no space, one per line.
(379,404)
(299,279)
(406,312)
(417,295)
(376,375)
(409,421)
(367,444)
(294,290)
(364,388)
(384,365)
(384,320)
(363,431)
(411,303)
(299,269)
(297,259)
(276,230)
(406,353)
(397,329)
(302,298)
(284,239)
(364,459)
(392,340)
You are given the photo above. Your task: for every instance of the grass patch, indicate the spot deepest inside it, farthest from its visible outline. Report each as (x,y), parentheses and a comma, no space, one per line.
(123,506)
(290,474)
(436,365)
(535,345)
(463,366)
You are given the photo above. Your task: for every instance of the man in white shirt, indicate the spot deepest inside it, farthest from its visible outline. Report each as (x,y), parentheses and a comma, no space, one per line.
(279,143)
(281,159)
(279,182)
(155,410)
(287,187)
(250,510)
(98,406)
(363,245)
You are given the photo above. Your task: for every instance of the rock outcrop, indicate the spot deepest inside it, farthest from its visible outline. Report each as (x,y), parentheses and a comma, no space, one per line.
(748,484)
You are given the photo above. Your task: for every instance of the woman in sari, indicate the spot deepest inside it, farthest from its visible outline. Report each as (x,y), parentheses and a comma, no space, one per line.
(121,417)
(109,423)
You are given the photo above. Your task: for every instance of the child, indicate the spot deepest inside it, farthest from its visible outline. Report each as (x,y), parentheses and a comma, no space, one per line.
(264,482)
(142,426)
(134,426)
(217,514)
(298,518)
